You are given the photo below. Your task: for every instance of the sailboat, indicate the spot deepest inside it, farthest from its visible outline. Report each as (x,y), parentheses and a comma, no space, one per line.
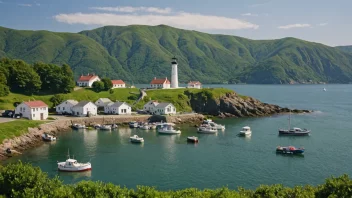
(294,131)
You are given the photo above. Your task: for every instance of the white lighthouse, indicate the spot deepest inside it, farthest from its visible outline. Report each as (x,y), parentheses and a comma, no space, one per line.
(174,73)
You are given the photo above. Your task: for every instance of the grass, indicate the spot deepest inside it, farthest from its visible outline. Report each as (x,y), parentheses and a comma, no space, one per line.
(16,128)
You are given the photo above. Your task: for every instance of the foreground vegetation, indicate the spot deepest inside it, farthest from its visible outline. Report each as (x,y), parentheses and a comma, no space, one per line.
(24,180)
(138,53)
(16,128)
(129,95)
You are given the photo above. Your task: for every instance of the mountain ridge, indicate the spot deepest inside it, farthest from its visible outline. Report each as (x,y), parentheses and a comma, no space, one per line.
(137,53)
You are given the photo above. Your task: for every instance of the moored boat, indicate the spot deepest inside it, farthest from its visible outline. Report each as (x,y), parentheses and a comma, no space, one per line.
(289,150)
(192,139)
(71,165)
(294,131)
(246,131)
(207,129)
(105,127)
(79,126)
(136,139)
(47,137)
(133,124)
(168,129)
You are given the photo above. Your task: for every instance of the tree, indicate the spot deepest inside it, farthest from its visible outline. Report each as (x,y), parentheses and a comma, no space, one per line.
(107,83)
(68,79)
(98,86)
(57,99)
(4,90)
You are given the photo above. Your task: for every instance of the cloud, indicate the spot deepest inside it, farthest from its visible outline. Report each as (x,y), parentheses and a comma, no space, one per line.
(249,14)
(322,24)
(25,5)
(134,9)
(297,25)
(181,20)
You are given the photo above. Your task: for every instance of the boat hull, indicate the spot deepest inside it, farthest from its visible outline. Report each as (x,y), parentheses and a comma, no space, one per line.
(209,131)
(192,140)
(291,133)
(169,132)
(136,141)
(61,167)
(245,134)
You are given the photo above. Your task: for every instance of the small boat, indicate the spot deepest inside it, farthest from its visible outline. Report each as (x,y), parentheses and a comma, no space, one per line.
(145,127)
(217,126)
(163,124)
(114,126)
(47,137)
(246,131)
(192,139)
(168,129)
(295,131)
(153,126)
(207,121)
(324,89)
(207,130)
(79,126)
(133,124)
(289,150)
(105,127)
(136,139)
(71,165)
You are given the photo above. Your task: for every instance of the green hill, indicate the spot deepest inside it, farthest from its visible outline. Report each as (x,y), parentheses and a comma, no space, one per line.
(139,53)
(347,48)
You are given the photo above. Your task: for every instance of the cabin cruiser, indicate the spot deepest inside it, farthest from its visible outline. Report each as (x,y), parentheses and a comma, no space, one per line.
(136,139)
(211,123)
(246,131)
(289,150)
(103,127)
(133,124)
(192,139)
(168,129)
(71,165)
(207,129)
(47,137)
(79,126)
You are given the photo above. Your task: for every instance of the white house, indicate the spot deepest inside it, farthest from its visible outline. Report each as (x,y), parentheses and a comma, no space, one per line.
(33,110)
(118,108)
(194,84)
(118,84)
(102,102)
(66,107)
(149,107)
(87,81)
(164,109)
(84,108)
(162,83)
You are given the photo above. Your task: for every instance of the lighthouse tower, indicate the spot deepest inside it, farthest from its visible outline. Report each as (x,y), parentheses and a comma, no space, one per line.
(174,73)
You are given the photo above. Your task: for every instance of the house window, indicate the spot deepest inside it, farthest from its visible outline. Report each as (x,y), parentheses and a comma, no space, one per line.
(33,115)
(33,109)
(36,109)
(59,108)
(44,108)
(63,108)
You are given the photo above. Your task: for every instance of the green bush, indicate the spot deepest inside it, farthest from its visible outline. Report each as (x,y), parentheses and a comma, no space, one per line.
(24,180)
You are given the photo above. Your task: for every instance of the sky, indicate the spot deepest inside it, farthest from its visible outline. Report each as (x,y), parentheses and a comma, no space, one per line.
(322,21)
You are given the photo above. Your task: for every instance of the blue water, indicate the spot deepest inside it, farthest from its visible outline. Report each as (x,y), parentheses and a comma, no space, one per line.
(169,162)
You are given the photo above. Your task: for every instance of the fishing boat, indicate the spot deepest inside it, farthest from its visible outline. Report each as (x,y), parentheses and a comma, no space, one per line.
(207,129)
(133,124)
(48,138)
(193,139)
(71,165)
(294,131)
(207,121)
(136,139)
(289,150)
(168,129)
(79,126)
(246,131)
(217,126)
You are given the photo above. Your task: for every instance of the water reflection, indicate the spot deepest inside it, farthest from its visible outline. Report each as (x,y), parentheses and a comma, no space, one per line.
(125,134)
(75,176)
(168,143)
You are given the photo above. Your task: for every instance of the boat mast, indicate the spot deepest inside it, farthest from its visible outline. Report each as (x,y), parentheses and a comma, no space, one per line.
(289,120)
(68,153)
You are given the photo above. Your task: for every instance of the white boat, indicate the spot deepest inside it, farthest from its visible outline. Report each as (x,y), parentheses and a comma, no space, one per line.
(207,121)
(47,137)
(133,124)
(79,126)
(144,127)
(217,126)
(246,131)
(168,129)
(207,129)
(192,139)
(136,139)
(105,127)
(324,89)
(71,165)
(114,126)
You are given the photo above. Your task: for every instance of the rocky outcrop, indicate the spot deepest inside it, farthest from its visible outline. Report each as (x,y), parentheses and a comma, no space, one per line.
(234,105)
(33,137)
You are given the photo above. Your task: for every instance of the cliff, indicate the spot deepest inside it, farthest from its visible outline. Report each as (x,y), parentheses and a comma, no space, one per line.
(234,105)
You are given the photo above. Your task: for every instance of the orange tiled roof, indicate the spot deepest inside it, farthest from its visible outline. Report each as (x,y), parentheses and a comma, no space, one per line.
(87,78)
(37,103)
(194,83)
(117,82)
(160,81)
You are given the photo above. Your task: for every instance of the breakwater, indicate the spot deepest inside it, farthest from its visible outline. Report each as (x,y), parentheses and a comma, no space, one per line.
(33,137)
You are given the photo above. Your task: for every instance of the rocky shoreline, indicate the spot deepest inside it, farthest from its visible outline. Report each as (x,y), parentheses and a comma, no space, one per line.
(235,105)
(33,137)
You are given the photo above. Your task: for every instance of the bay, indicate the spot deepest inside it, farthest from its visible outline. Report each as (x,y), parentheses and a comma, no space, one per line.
(169,162)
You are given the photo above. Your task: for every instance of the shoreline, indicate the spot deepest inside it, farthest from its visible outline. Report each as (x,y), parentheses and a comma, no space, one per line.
(33,137)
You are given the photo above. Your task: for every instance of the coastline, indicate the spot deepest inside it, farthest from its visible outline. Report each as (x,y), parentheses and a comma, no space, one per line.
(33,137)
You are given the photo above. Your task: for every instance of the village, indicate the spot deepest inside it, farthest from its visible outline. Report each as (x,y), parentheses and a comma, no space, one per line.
(38,110)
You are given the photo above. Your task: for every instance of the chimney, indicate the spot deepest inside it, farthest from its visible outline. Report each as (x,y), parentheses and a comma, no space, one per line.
(154,78)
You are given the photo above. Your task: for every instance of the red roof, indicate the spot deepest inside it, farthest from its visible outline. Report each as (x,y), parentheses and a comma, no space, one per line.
(117,82)
(87,78)
(36,103)
(160,81)
(194,83)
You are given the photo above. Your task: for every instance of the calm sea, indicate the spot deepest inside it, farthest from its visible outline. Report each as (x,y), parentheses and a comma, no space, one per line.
(169,162)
